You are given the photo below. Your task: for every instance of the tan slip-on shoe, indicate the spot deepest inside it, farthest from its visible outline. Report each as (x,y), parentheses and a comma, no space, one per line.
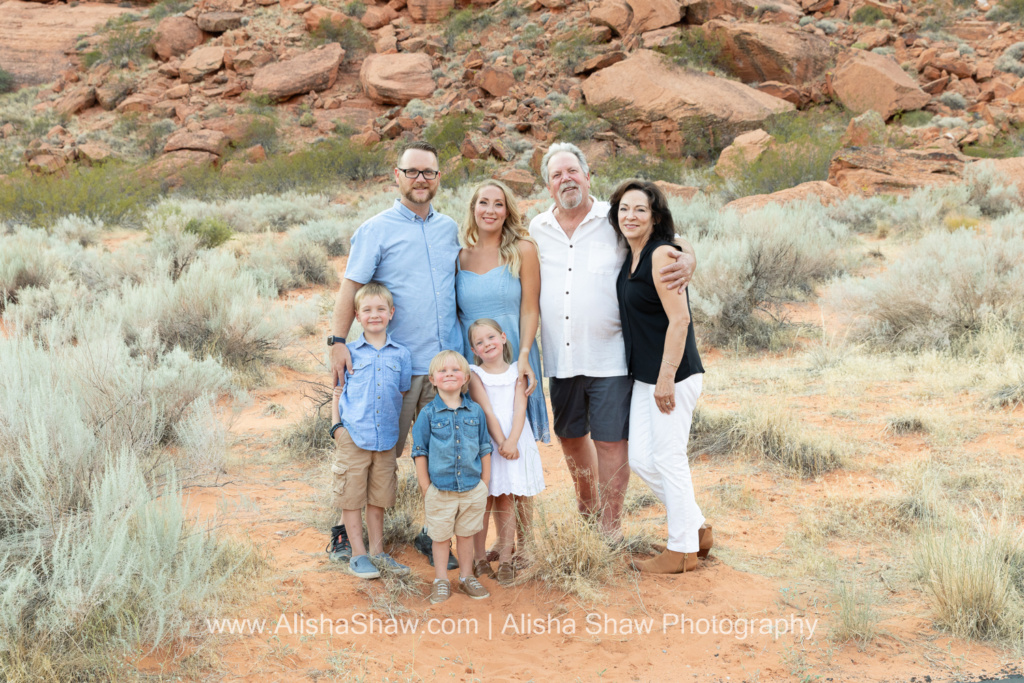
(440,591)
(669,562)
(473,588)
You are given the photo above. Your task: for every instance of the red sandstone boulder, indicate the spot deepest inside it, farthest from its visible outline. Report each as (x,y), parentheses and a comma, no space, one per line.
(202,61)
(319,14)
(219,22)
(659,104)
(653,14)
(175,36)
(744,150)
(378,16)
(770,52)
(881,170)
(210,141)
(519,180)
(397,78)
(314,70)
(865,80)
(824,192)
(76,100)
(429,11)
(497,82)
(615,14)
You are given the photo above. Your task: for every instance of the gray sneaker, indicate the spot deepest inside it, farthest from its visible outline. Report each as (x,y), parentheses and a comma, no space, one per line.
(390,565)
(362,566)
(473,588)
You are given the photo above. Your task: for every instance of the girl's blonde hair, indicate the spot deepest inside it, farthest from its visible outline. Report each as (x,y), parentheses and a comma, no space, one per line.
(438,362)
(506,352)
(512,233)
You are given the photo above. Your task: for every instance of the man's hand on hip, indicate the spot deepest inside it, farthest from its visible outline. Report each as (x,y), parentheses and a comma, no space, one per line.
(341,362)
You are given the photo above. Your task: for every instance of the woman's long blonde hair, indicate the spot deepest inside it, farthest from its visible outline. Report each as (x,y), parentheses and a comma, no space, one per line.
(512,233)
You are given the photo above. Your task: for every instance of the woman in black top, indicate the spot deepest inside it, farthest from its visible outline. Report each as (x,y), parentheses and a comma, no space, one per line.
(661,354)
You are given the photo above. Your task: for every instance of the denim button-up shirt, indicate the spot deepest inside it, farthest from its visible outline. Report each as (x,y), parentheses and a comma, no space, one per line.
(453,441)
(415,259)
(372,398)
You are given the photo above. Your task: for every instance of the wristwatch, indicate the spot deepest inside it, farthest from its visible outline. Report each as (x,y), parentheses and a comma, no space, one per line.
(331,341)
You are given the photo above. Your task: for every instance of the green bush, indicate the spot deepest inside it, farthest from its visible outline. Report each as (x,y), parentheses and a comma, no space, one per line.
(212,232)
(447,133)
(574,49)
(578,125)
(1007,10)
(318,167)
(351,35)
(607,174)
(167,8)
(261,130)
(126,43)
(6,81)
(355,9)
(113,193)
(695,49)
(462,23)
(804,145)
(867,14)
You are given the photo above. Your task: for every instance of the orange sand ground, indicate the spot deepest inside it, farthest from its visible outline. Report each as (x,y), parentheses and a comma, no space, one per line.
(281,505)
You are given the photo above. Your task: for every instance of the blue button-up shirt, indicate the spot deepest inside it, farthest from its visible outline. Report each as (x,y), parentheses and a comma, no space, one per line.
(454,441)
(372,397)
(415,259)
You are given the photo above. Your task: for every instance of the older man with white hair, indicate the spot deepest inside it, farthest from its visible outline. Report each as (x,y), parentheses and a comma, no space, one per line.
(584,355)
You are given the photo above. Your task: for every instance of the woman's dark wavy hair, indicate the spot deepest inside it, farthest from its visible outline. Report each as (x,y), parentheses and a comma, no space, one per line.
(663,227)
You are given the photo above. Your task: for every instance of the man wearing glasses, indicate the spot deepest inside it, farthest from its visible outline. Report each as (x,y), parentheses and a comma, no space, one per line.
(410,249)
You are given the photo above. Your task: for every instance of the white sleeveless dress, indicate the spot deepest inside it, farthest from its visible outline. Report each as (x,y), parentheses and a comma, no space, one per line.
(524,475)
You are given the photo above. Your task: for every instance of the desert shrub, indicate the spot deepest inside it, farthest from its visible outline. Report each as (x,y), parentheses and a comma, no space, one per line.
(948,287)
(827,25)
(1010,60)
(766,432)
(98,554)
(6,81)
(953,100)
(802,151)
(447,132)
(752,264)
(607,174)
(310,437)
(862,214)
(975,579)
(578,125)
(902,425)
(256,213)
(401,521)
(126,43)
(167,8)
(1007,10)
(991,191)
(1009,395)
(355,9)
(212,232)
(696,49)
(353,37)
(261,130)
(331,234)
(25,261)
(294,263)
(573,49)
(867,14)
(463,23)
(84,231)
(318,167)
(111,193)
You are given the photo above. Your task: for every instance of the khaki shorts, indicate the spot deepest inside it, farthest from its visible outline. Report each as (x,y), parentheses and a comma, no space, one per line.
(451,513)
(421,392)
(362,476)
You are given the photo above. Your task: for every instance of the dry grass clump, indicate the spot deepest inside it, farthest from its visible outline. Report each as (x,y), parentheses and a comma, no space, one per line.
(856,617)
(570,552)
(974,576)
(401,521)
(767,432)
(310,438)
(901,425)
(1009,395)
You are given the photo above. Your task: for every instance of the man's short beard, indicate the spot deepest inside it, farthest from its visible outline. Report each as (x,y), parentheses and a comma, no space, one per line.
(431,191)
(571,204)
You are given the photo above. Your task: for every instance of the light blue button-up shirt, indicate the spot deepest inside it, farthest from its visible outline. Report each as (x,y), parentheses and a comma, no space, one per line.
(414,258)
(454,441)
(372,397)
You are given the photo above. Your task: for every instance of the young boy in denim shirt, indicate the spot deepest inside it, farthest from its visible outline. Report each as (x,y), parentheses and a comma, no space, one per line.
(452,450)
(365,432)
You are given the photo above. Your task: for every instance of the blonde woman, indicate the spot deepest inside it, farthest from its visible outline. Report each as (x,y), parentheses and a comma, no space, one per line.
(499,278)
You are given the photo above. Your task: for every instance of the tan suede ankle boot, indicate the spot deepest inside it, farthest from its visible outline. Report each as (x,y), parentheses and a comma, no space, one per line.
(669,562)
(707,540)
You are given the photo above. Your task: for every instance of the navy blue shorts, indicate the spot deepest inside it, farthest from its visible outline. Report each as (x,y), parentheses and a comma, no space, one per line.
(598,406)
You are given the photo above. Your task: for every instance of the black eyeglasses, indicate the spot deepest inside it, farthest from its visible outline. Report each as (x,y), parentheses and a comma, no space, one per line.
(411,173)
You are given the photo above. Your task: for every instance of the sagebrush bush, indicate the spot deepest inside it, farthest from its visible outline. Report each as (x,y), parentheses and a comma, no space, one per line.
(25,261)
(1010,60)
(112,193)
(447,132)
(578,125)
(752,264)
(291,264)
(953,100)
(867,14)
(948,287)
(6,81)
(211,232)
(331,234)
(1007,10)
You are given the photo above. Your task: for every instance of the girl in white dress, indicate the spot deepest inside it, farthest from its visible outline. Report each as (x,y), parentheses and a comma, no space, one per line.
(516,474)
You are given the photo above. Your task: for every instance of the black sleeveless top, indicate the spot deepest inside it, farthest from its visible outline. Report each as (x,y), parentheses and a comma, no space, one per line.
(645,324)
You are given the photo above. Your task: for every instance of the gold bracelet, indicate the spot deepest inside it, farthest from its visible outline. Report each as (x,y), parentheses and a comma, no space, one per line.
(668,362)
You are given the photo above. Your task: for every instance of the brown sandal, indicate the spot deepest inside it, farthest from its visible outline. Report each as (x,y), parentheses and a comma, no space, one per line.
(483,568)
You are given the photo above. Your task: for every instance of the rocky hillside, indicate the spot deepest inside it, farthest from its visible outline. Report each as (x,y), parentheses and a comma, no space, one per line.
(196,82)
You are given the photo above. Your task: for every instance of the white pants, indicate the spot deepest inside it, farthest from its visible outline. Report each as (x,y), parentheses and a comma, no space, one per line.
(657,454)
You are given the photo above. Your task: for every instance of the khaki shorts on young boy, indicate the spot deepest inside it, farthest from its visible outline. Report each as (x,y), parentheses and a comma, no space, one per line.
(362,477)
(451,513)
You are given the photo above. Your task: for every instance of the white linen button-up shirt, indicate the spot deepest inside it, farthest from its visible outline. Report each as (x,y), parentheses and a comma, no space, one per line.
(580,325)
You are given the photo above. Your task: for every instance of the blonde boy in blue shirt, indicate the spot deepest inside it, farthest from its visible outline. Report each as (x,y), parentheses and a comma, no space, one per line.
(365,431)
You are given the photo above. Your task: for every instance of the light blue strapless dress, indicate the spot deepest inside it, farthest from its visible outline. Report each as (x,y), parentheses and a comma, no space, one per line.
(497,294)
